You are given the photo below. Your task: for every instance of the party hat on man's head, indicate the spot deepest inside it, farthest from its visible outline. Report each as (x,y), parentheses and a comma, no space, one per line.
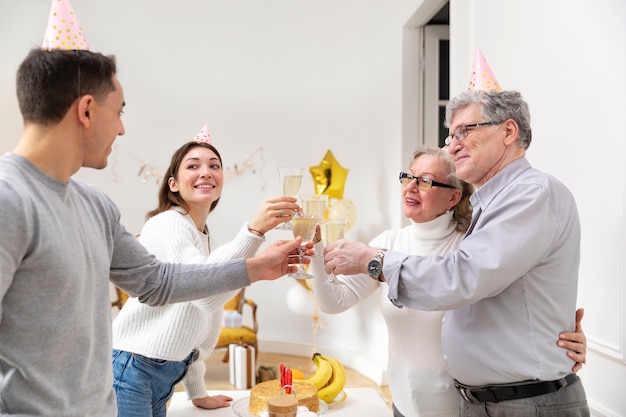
(63,31)
(482,78)
(203,135)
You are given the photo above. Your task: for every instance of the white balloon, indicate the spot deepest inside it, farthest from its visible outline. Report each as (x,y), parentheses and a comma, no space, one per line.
(300,301)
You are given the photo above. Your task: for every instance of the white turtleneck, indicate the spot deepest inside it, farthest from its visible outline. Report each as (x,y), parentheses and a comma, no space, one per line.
(418,381)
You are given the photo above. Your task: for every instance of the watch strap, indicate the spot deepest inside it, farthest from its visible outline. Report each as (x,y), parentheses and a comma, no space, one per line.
(380,255)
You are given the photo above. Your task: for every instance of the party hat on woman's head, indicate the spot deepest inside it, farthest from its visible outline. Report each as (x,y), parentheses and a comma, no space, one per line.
(203,135)
(63,31)
(482,78)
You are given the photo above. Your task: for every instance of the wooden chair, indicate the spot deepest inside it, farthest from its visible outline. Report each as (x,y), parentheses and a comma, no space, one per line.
(244,333)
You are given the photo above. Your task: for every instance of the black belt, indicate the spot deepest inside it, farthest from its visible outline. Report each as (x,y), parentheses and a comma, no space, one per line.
(495,393)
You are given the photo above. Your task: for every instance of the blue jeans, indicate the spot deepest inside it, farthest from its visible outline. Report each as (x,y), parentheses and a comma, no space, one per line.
(144,385)
(570,401)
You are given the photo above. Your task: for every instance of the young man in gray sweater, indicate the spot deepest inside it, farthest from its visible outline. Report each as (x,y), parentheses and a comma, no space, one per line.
(62,242)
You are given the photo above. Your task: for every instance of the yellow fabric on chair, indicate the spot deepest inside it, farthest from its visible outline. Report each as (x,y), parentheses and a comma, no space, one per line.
(243,334)
(121,299)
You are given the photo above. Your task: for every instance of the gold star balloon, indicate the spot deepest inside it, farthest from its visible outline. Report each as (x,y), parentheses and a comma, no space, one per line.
(329,177)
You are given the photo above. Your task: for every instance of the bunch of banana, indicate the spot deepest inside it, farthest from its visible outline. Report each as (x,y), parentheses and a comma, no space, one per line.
(329,378)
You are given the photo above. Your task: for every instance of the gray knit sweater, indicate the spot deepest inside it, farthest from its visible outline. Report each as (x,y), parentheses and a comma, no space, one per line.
(61,244)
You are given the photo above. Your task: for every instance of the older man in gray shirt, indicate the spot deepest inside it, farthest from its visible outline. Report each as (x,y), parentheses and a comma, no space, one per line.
(511,285)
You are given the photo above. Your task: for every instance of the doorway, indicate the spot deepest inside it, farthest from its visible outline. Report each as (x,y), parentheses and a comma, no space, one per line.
(426,76)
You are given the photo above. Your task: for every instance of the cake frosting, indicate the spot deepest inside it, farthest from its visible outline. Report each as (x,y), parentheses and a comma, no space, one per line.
(306,394)
(302,412)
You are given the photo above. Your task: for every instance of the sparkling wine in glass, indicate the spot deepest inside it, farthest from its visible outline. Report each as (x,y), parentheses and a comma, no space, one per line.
(332,230)
(314,204)
(290,183)
(303,225)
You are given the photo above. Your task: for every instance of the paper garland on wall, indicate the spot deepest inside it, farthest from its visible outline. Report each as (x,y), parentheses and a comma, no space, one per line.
(253,164)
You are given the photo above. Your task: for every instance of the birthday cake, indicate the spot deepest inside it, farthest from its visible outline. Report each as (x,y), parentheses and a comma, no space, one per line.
(306,394)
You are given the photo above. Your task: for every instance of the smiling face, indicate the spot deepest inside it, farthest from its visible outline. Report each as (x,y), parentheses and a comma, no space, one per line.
(485,150)
(199,179)
(422,205)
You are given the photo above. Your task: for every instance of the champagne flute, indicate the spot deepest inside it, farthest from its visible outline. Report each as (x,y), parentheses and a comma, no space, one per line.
(290,183)
(332,230)
(303,225)
(314,204)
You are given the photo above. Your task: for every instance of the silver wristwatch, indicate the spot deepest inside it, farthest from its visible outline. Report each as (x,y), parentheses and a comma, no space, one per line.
(375,266)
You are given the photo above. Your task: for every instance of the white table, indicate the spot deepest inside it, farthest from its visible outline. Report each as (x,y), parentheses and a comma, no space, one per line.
(361,402)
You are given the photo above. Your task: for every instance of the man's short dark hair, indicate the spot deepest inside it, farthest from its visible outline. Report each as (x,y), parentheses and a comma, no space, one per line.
(48,82)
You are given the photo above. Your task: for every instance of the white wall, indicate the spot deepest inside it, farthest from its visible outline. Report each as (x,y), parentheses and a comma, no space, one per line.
(293,77)
(298,77)
(568,58)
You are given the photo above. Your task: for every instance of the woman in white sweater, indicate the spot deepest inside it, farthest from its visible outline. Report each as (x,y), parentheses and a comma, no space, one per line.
(156,347)
(437,204)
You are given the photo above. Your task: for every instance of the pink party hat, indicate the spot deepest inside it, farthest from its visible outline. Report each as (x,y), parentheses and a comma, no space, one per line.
(203,135)
(482,77)
(63,31)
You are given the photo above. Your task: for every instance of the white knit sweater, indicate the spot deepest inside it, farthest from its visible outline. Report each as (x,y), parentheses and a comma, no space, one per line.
(418,381)
(171,332)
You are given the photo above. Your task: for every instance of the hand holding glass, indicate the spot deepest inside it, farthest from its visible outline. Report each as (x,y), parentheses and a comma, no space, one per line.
(290,183)
(303,225)
(332,230)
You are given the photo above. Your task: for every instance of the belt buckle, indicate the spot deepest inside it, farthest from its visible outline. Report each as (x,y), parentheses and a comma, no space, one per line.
(465,392)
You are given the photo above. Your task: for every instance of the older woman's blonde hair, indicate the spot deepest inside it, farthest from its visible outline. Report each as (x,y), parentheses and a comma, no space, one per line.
(462,212)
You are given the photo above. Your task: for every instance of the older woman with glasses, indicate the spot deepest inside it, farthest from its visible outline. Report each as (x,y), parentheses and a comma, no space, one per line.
(437,204)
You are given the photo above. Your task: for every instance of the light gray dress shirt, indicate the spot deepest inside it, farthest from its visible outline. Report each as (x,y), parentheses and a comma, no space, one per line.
(511,286)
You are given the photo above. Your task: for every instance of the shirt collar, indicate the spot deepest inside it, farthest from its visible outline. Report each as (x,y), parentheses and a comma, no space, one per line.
(489,190)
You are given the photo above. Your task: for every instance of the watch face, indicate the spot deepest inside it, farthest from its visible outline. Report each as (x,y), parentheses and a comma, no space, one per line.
(374,267)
